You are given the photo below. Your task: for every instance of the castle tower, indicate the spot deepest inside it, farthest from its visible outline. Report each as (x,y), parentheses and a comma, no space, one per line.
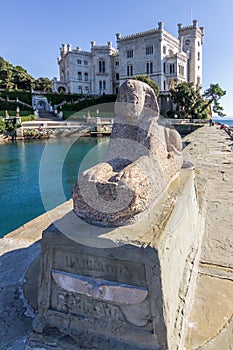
(191,42)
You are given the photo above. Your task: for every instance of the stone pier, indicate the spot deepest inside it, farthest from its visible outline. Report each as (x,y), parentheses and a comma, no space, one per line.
(211,322)
(208,324)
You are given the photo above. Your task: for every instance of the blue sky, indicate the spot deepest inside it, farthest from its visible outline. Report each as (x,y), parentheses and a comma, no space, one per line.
(33,31)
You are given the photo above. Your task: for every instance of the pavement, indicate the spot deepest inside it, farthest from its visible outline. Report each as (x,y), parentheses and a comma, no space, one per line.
(211,321)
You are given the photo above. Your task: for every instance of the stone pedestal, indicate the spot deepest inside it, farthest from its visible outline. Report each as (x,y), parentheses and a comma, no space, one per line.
(129,287)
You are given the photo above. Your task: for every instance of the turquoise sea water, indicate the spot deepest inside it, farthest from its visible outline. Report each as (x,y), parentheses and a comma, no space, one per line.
(26,167)
(225,120)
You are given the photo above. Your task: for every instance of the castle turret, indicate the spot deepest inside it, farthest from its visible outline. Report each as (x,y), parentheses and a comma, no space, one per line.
(191,41)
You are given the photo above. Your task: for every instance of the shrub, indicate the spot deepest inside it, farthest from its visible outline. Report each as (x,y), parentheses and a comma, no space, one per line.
(28,118)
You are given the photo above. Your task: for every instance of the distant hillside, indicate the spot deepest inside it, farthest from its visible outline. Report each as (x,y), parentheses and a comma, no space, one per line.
(17,78)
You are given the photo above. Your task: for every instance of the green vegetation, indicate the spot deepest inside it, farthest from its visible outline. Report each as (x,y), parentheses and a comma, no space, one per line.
(88,102)
(191,104)
(28,118)
(146,79)
(12,113)
(56,99)
(42,84)
(14,77)
(2,127)
(17,78)
(8,127)
(213,95)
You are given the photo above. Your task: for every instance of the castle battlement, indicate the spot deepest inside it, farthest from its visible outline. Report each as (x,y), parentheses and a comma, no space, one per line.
(136,35)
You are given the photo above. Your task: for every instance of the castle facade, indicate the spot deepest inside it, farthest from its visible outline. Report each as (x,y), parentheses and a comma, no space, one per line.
(167,59)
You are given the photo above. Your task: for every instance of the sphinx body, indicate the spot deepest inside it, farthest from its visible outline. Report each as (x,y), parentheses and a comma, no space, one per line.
(142,160)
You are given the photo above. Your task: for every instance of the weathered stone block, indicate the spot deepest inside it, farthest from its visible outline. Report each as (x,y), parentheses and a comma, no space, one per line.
(136,294)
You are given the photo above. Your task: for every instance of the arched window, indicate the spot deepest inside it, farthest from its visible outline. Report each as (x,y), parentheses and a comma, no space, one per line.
(129,69)
(149,67)
(101,66)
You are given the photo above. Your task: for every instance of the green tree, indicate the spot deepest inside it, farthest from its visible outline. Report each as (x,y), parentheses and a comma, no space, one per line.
(146,79)
(2,126)
(187,99)
(190,102)
(43,84)
(213,94)
(21,79)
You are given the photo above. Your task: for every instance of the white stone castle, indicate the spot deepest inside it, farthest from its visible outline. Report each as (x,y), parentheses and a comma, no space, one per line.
(166,59)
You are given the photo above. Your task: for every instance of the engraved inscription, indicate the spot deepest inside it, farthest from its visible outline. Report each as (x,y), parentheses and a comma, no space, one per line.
(97,312)
(92,264)
(116,270)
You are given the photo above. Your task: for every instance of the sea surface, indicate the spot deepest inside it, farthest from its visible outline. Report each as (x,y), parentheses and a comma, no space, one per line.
(225,120)
(36,176)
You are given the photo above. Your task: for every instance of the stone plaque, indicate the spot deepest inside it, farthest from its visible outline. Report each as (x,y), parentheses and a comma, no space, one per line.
(100,267)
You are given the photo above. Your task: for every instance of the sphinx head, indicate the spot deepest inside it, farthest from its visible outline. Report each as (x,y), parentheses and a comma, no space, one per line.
(135,101)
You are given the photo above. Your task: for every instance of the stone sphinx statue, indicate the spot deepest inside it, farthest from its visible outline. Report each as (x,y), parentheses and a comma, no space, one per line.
(142,160)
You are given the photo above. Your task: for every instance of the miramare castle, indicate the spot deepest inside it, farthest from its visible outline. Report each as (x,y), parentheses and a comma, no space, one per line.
(166,59)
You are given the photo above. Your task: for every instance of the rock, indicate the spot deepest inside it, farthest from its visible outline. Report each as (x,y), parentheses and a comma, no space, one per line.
(142,160)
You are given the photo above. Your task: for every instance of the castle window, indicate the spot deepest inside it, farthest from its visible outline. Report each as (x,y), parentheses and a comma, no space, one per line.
(104,85)
(85,63)
(164,50)
(79,75)
(86,76)
(101,66)
(80,89)
(79,61)
(129,53)
(117,76)
(172,68)
(149,50)
(164,68)
(181,70)
(198,81)
(86,90)
(149,67)
(164,85)
(198,56)
(117,63)
(100,86)
(130,70)
(170,52)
